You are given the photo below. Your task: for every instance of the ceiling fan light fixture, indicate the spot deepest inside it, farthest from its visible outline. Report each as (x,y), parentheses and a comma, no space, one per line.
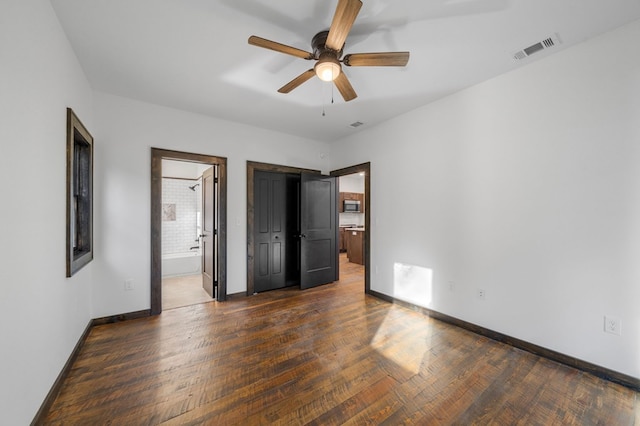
(327,68)
(328,47)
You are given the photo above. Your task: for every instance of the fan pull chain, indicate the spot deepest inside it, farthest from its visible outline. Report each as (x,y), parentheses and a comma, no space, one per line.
(323,90)
(332,79)
(323,113)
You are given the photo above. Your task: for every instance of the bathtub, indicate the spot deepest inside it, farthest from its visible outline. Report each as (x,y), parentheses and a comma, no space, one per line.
(177,264)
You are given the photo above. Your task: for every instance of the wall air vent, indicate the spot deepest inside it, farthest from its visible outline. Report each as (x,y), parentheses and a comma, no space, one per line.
(547,43)
(356,124)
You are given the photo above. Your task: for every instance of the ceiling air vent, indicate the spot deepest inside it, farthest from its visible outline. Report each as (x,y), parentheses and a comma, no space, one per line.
(356,124)
(537,47)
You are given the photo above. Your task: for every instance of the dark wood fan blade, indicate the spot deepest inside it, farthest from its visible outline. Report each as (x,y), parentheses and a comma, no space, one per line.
(297,81)
(345,88)
(343,20)
(384,59)
(279,47)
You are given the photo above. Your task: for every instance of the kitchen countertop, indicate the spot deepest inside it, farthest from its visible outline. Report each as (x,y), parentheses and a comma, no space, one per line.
(354,229)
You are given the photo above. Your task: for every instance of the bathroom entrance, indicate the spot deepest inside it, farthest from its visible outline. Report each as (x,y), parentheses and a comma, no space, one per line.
(188,223)
(188,233)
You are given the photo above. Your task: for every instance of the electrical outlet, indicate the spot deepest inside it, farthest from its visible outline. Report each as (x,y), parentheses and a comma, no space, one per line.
(452,286)
(128,284)
(481,294)
(613,325)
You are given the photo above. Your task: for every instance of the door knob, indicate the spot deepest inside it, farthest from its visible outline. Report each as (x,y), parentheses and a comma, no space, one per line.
(203,235)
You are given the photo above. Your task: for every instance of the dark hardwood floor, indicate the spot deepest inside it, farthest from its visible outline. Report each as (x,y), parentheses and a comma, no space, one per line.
(324,356)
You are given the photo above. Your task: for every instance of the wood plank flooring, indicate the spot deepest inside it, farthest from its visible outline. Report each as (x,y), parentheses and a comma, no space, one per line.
(325,356)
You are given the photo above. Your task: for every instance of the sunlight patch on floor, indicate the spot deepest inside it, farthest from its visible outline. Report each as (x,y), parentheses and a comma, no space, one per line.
(406,346)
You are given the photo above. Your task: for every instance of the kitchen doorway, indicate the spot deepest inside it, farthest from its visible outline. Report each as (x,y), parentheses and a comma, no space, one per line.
(188,229)
(355,230)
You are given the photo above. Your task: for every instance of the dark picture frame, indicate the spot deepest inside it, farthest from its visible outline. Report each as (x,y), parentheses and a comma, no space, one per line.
(79,194)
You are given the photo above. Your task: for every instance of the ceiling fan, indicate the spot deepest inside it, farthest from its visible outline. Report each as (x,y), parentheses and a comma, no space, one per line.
(327,50)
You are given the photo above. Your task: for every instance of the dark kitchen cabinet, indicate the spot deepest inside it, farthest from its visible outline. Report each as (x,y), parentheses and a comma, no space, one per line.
(342,243)
(355,245)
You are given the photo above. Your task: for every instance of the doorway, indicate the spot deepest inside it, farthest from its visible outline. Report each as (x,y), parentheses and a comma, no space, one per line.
(355,225)
(257,167)
(195,252)
(252,167)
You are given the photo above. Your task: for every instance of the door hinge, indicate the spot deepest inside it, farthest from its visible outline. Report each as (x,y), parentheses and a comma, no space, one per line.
(215,180)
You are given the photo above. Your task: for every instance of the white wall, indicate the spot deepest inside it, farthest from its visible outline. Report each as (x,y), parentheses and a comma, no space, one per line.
(352,183)
(526,186)
(126,131)
(42,313)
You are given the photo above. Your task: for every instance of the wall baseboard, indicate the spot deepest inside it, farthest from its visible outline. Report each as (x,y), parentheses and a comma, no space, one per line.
(596,370)
(121,317)
(57,384)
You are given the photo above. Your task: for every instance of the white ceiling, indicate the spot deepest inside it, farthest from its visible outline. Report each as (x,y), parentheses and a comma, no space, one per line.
(193,54)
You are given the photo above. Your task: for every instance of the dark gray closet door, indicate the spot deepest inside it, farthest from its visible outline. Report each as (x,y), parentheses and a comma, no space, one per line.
(270,216)
(318,230)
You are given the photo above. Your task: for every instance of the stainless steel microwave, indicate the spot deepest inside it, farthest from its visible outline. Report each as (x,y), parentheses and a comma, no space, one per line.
(351,206)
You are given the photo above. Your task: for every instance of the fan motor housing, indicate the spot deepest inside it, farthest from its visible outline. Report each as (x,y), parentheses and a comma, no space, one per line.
(318,44)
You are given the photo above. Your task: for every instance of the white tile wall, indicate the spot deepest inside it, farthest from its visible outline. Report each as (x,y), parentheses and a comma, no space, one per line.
(179,235)
(352,219)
